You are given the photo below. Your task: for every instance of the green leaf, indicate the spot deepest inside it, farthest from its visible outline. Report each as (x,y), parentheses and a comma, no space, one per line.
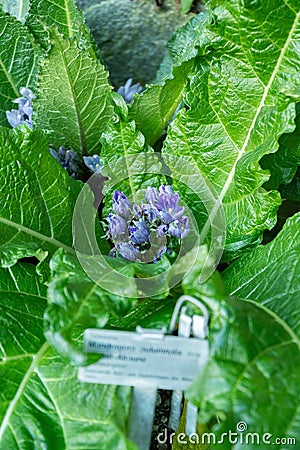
(37,198)
(60,13)
(253,352)
(19,287)
(73,97)
(130,164)
(17,8)
(42,404)
(238,103)
(148,313)
(87,291)
(78,301)
(183,278)
(192,39)
(270,275)
(185,6)
(284,163)
(154,107)
(255,362)
(65,17)
(18,62)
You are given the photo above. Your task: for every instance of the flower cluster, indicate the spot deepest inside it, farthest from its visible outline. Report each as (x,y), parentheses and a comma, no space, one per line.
(144,233)
(128,90)
(69,160)
(22,115)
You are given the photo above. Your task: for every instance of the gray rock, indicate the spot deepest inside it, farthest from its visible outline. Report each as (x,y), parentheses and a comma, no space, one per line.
(85,4)
(132,35)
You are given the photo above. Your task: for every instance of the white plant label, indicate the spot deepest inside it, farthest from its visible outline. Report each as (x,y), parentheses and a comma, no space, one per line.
(132,359)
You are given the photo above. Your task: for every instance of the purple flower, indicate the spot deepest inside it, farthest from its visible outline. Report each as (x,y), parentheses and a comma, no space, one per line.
(14,118)
(162,204)
(162,230)
(137,211)
(150,211)
(184,225)
(67,159)
(27,93)
(180,228)
(128,251)
(22,115)
(149,208)
(139,232)
(55,154)
(93,163)
(121,205)
(174,229)
(117,226)
(128,90)
(165,217)
(167,204)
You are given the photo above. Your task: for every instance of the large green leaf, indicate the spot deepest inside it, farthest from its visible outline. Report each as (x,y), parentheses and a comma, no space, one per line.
(87,292)
(154,108)
(73,97)
(18,62)
(65,17)
(239,100)
(42,404)
(77,302)
(37,197)
(60,13)
(17,8)
(270,275)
